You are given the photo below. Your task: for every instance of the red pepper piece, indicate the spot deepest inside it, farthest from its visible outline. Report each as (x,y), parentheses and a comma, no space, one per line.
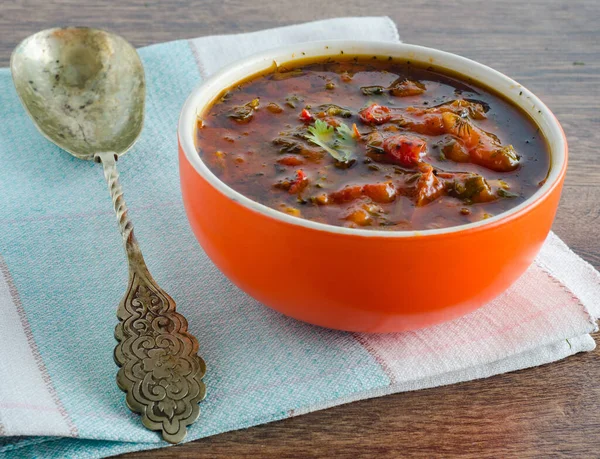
(375,114)
(305,116)
(299,183)
(405,150)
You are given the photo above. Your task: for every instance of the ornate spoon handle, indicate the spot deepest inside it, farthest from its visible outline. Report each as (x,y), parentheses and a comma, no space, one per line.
(160,369)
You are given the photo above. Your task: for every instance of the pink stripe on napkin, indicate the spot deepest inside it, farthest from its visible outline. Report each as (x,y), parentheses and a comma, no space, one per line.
(534,312)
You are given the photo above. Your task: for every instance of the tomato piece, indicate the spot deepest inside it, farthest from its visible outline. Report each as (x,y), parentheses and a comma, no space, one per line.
(305,115)
(360,217)
(429,125)
(364,215)
(429,187)
(375,114)
(299,183)
(380,192)
(405,150)
(405,88)
(291,160)
(420,121)
(347,194)
(483,147)
(455,151)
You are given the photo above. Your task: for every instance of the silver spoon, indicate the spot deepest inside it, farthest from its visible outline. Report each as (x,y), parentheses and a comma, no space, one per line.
(85,91)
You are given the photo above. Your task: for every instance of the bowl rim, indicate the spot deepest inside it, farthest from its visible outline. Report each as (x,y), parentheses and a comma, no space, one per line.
(205,93)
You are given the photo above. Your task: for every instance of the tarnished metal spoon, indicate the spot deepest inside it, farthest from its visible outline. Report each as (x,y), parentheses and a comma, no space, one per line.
(84,89)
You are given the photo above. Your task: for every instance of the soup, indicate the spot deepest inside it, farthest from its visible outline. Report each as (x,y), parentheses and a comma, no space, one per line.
(373,143)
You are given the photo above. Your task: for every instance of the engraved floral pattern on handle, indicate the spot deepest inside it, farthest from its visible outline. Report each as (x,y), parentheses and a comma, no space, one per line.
(160,369)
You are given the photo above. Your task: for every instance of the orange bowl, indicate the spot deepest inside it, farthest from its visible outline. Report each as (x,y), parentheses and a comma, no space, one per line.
(365,280)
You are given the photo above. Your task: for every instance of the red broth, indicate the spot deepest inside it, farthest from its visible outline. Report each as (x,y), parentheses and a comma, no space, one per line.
(373,143)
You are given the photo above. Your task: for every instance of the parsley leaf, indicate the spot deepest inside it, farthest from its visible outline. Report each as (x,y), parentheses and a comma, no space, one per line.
(338,142)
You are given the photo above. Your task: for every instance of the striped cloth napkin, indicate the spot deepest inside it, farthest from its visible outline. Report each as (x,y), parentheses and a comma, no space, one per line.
(62,273)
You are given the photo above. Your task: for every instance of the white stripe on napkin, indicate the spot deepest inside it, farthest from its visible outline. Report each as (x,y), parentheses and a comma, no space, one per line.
(213,53)
(26,386)
(575,273)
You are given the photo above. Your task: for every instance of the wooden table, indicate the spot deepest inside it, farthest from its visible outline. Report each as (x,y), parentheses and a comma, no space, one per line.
(553,48)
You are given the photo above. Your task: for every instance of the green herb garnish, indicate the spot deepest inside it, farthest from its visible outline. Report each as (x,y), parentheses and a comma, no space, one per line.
(334,110)
(372,90)
(292,100)
(503,193)
(338,142)
(244,113)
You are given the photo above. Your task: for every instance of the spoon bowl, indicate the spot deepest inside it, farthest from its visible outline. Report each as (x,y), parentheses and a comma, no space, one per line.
(83,87)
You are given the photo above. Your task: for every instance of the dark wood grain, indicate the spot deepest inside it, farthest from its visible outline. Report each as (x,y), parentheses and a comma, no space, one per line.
(547,411)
